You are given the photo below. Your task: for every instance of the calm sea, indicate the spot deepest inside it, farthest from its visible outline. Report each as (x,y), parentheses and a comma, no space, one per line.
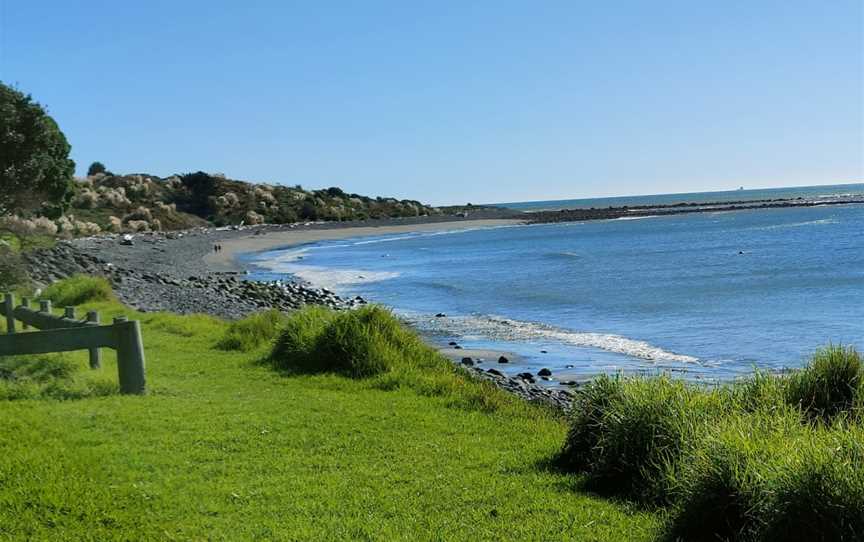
(804,192)
(707,296)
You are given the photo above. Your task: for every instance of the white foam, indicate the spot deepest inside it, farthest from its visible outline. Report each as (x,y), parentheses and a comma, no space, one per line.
(820,222)
(636,217)
(498,328)
(319,277)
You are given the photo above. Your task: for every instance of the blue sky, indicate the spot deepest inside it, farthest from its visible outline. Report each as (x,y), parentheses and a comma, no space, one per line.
(458,101)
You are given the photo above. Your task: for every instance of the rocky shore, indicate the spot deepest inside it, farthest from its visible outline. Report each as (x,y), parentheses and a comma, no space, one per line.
(166,272)
(524,385)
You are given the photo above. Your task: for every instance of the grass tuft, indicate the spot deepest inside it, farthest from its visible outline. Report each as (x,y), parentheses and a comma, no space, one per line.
(628,433)
(51,376)
(253,331)
(830,385)
(371,344)
(78,290)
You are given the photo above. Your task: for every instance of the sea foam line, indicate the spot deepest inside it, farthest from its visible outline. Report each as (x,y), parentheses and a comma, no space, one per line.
(506,329)
(317,276)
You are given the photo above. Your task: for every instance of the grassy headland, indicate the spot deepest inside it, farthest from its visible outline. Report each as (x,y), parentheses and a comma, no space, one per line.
(226,448)
(326,425)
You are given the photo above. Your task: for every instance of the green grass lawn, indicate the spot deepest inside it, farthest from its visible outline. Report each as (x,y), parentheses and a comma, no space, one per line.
(224,448)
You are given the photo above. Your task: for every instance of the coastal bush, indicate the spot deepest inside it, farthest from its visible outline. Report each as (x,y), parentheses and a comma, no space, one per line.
(13,272)
(35,169)
(829,385)
(629,433)
(79,289)
(253,331)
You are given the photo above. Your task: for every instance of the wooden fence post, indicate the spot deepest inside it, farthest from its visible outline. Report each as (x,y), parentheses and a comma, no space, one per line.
(9,307)
(69,312)
(95,353)
(45,306)
(130,356)
(25,302)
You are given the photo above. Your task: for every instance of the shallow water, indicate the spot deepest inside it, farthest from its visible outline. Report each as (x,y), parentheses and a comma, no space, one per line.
(709,296)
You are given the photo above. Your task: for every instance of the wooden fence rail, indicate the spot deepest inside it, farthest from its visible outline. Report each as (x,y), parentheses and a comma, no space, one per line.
(66,333)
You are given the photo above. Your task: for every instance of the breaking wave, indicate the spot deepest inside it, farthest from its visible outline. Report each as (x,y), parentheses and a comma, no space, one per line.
(505,329)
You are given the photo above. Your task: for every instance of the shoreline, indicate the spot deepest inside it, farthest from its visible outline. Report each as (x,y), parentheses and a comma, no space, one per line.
(260,240)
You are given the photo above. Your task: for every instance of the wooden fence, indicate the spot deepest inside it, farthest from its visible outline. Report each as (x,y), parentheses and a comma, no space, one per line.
(66,333)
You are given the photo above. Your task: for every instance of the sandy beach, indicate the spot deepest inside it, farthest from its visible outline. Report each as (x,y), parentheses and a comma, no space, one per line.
(260,240)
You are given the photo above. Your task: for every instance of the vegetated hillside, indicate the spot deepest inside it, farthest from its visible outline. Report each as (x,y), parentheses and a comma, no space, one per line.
(141,202)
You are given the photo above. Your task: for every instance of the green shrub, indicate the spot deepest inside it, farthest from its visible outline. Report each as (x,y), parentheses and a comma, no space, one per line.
(587,426)
(629,433)
(38,369)
(360,343)
(370,343)
(295,350)
(79,289)
(253,331)
(13,272)
(95,167)
(722,485)
(769,477)
(49,376)
(829,385)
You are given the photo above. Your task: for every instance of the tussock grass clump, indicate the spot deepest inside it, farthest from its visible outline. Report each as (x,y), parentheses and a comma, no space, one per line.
(820,496)
(628,433)
(49,376)
(737,462)
(79,289)
(253,331)
(722,485)
(761,392)
(361,343)
(830,385)
(772,478)
(296,348)
(371,344)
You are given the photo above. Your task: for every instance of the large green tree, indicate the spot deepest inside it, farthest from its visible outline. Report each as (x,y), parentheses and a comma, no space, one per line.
(35,169)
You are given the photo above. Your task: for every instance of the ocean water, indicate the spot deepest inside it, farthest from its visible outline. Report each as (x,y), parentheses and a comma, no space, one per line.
(804,192)
(704,296)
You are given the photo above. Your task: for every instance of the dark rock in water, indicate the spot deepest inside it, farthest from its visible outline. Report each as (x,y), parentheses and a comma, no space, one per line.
(467,361)
(503,359)
(546,378)
(457,347)
(440,315)
(544,372)
(452,343)
(525,376)
(570,366)
(569,383)
(544,352)
(495,372)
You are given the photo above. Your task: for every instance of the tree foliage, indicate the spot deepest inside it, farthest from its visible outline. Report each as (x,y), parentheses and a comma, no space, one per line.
(95,167)
(35,169)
